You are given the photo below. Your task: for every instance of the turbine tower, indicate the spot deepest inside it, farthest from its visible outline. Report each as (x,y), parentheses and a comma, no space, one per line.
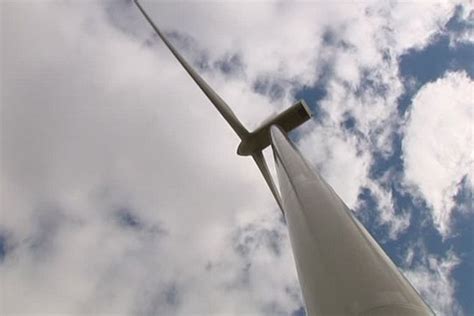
(342,270)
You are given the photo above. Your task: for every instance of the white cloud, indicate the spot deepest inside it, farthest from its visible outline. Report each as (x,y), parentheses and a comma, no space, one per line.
(336,157)
(415,30)
(433,279)
(94,123)
(365,87)
(397,222)
(438,143)
(463,32)
(99,121)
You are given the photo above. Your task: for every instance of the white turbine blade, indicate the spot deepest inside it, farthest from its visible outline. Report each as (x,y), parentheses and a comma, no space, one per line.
(220,104)
(262,165)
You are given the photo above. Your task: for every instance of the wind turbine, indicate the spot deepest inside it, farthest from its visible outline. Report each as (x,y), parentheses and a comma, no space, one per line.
(341,268)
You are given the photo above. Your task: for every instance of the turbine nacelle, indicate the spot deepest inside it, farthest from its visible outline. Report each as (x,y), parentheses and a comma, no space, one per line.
(287,120)
(342,269)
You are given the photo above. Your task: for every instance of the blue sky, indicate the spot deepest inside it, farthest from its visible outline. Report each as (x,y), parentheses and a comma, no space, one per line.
(421,65)
(121,190)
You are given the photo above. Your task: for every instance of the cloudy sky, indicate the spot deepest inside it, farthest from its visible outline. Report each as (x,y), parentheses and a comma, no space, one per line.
(120,188)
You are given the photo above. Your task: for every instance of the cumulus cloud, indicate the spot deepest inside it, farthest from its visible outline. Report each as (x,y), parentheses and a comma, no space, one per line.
(461,25)
(438,143)
(121,190)
(360,109)
(397,222)
(336,157)
(115,180)
(433,279)
(415,30)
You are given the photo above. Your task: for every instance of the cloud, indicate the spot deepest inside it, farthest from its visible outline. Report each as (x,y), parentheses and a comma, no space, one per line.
(413,30)
(336,157)
(361,120)
(121,190)
(437,147)
(461,26)
(433,279)
(116,190)
(397,222)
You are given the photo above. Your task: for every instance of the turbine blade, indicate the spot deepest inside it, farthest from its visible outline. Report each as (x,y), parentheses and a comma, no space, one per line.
(262,165)
(219,104)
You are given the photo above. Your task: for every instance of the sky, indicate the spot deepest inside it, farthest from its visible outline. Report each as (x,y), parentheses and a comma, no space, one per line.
(121,191)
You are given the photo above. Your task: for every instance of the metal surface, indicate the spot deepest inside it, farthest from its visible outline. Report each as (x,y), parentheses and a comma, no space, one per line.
(216,100)
(288,120)
(341,268)
(252,143)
